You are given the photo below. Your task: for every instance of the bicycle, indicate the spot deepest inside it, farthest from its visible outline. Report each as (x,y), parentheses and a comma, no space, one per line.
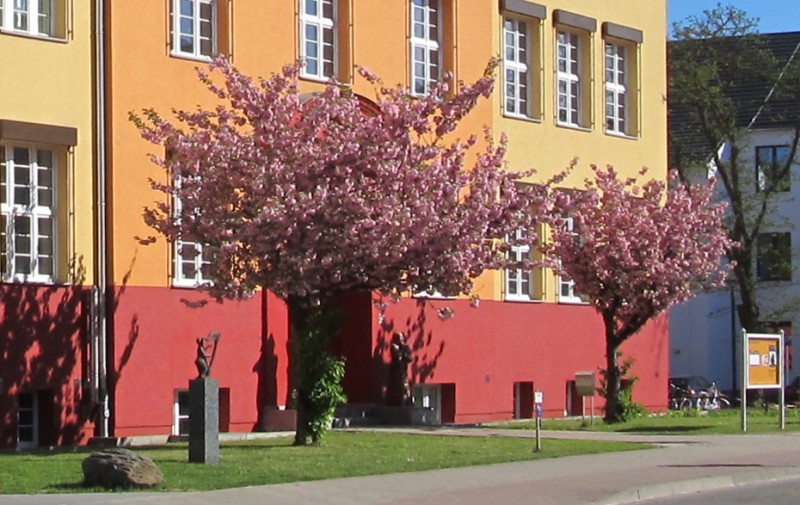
(712,399)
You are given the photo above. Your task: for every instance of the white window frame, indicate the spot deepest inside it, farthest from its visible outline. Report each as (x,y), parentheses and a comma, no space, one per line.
(322,25)
(179,258)
(27,17)
(177,417)
(568,78)
(12,210)
(568,285)
(516,67)
(429,396)
(616,88)
(195,260)
(430,57)
(435,294)
(195,22)
(516,278)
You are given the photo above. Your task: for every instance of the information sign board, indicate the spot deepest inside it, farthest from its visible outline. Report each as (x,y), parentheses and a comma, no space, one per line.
(763,371)
(762,368)
(584,383)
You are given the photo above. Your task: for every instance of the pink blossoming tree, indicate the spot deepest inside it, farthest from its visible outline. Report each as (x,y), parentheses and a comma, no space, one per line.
(312,196)
(634,251)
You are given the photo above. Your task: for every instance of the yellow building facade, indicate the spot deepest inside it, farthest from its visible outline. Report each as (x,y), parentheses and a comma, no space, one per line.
(582,81)
(576,79)
(47,197)
(47,131)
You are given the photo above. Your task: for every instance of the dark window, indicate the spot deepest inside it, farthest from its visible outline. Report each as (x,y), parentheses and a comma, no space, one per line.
(774,257)
(772,168)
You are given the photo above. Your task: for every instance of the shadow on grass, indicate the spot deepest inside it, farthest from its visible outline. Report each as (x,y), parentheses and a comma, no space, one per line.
(68,486)
(666,430)
(230,445)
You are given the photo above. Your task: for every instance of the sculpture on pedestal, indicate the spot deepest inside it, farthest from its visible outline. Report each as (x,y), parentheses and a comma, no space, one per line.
(205,359)
(398,390)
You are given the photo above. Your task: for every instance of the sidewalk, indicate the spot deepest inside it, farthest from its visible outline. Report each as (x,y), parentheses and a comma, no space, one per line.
(679,464)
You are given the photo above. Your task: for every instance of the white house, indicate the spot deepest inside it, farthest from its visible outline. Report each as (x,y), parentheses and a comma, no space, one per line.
(705,333)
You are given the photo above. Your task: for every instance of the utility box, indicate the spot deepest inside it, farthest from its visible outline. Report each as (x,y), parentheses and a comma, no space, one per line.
(584,383)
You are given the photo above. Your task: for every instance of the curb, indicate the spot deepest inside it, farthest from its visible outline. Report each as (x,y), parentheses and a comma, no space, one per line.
(696,485)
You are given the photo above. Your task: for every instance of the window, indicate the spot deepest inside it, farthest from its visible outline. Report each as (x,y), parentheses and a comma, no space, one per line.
(189,258)
(519,282)
(27,206)
(522,285)
(573,69)
(621,79)
(318,38)
(774,257)
(194,28)
(426,42)
(616,79)
(566,287)
(569,78)
(180,412)
(516,72)
(773,170)
(27,420)
(30,17)
(521,58)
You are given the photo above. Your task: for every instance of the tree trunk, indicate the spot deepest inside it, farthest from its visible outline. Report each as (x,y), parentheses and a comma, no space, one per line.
(316,374)
(297,318)
(613,406)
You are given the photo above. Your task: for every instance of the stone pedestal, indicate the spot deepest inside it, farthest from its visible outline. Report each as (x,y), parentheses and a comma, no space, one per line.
(204,421)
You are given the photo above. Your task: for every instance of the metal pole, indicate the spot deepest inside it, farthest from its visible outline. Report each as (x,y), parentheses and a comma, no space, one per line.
(733,338)
(583,410)
(781,381)
(538,438)
(745,378)
(101,254)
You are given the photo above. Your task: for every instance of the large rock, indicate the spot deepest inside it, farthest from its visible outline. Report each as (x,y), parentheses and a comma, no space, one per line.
(113,468)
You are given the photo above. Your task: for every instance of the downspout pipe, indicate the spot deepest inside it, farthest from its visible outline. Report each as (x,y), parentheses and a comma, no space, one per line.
(101,322)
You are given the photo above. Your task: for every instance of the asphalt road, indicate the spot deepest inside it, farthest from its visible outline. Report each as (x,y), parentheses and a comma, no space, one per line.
(783,492)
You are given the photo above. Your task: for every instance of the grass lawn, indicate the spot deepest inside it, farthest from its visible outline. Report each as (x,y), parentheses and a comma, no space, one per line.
(275,461)
(719,422)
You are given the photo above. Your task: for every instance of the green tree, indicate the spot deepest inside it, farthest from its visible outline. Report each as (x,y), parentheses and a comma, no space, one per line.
(726,80)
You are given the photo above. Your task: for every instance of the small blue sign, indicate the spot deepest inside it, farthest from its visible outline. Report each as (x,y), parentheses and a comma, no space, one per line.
(538,410)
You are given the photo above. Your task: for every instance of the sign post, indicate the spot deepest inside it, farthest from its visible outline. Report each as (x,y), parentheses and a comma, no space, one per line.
(584,385)
(538,400)
(762,368)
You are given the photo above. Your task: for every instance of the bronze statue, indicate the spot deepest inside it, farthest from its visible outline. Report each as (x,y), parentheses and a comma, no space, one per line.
(398,390)
(205,360)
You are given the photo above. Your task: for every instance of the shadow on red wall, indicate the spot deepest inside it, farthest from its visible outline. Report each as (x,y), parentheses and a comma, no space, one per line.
(425,357)
(266,370)
(42,341)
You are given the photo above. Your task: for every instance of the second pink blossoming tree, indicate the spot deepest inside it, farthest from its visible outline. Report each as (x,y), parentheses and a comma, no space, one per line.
(633,251)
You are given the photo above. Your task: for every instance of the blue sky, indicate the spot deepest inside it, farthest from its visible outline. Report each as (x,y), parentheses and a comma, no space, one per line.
(776,15)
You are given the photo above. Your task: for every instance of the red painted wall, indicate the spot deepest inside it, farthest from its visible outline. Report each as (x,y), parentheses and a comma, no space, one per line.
(154,353)
(485,350)
(482,352)
(42,335)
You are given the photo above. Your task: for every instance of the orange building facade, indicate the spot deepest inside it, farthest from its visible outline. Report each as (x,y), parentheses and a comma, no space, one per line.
(577,79)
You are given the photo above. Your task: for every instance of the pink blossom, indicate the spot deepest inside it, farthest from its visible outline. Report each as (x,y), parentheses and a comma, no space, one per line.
(637,250)
(308,198)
